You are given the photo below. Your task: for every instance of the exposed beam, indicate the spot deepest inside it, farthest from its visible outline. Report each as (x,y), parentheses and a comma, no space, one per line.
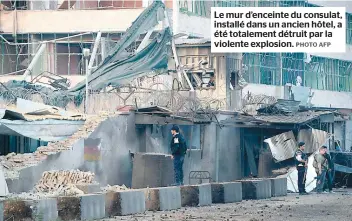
(94,53)
(145,40)
(271,126)
(152,119)
(34,61)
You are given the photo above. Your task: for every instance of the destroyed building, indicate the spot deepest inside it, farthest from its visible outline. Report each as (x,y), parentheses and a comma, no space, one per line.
(146,72)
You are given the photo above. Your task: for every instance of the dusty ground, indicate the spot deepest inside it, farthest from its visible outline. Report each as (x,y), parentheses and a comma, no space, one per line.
(325,207)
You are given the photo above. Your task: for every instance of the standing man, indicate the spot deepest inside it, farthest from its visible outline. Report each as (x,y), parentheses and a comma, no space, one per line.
(178,150)
(330,171)
(301,165)
(321,167)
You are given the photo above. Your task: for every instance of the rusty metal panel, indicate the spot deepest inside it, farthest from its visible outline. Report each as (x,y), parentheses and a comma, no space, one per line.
(313,139)
(282,146)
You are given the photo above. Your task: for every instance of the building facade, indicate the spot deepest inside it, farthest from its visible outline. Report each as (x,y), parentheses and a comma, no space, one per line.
(68,26)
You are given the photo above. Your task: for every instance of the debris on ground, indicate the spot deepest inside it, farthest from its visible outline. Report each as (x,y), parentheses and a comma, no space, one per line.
(114,188)
(63,182)
(12,162)
(281,171)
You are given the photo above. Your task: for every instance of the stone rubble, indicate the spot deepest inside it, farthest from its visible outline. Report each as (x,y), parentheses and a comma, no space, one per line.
(12,163)
(115,188)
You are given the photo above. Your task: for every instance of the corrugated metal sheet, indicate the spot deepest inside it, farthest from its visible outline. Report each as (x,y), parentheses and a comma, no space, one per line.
(45,130)
(13,114)
(194,41)
(282,146)
(292,177)
(32,111)
(313,139)
(297,118)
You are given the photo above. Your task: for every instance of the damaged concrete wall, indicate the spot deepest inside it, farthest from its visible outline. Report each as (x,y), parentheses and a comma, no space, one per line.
(118,137)
(229,156)
(216,151)
(219,153)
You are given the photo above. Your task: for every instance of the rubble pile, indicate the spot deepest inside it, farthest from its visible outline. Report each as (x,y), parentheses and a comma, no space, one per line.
(63,182)
(114,188)
(12,163)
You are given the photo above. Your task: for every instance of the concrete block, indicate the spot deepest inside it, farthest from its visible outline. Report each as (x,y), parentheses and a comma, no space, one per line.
(278,187)
(92,206)
(226,192)
(196,195)
(4,190)
(144,167)
(13,185)
(89,188)
(124,202)
(163,199)
(17,209)
(43,209)
(69,208)
(256,189)
(1,211)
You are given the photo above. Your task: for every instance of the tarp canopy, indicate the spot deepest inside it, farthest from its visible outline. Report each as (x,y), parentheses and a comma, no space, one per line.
(122,65)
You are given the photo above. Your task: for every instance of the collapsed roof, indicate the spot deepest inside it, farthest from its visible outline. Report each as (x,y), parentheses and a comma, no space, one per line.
(39,121)
(121,65)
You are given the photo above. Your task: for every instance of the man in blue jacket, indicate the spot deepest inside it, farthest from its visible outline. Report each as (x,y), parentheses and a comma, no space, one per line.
(178,150)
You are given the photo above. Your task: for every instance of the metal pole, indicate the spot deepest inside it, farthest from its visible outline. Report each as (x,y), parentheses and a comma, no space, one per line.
(175,16)
(34,61)
(86,52)
(145,40)
(94,52)
(188,81)
(103,48)
(87,74)
(173,46)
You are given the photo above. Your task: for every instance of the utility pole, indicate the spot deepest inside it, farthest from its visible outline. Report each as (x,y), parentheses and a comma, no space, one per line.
(86,53)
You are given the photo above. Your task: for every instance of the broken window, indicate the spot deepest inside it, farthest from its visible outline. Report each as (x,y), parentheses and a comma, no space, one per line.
(292,68)
(328,74)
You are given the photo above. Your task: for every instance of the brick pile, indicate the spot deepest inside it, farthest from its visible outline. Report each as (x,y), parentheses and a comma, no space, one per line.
(63,181)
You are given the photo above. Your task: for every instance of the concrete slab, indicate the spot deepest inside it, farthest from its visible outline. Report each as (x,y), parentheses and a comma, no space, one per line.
(92,206)
(163,199)
(69,208)
(44,209)
(230,192)
(124,203)
(1,211)
(13,185)
(89,188)
(4,191)
(196,195)
(144,167)
(278,187)
(256,189)
(17,209)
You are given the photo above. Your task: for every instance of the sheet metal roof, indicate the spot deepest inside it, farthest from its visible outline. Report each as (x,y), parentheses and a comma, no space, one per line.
(297,118)
(45,130)
(194,41)
(43,114)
